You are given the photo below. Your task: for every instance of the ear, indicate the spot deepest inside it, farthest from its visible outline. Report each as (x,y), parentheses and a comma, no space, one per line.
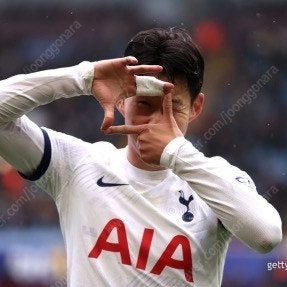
(121,107)
(196,107)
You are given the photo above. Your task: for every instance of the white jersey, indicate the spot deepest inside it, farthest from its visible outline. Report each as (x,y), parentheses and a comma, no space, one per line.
(130,227)
(124,226)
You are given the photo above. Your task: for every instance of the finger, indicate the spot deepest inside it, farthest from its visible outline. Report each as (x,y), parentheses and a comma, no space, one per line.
(145,69)
(125,129)
(130,60)
(109,118)
(167,106)
(167,88)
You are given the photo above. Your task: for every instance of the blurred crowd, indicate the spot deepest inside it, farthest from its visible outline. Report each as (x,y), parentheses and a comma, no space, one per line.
(244,118)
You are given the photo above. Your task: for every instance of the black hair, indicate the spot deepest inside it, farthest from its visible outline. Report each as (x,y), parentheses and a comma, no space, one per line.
(174,50)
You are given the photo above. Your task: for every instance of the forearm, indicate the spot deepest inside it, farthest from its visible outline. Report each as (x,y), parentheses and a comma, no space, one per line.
(237,205)
(22,93)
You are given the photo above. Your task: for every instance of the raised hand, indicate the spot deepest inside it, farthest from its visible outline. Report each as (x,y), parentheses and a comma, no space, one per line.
(115,79)
(152,138)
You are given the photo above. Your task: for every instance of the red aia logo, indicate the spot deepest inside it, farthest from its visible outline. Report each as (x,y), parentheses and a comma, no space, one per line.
(122,247)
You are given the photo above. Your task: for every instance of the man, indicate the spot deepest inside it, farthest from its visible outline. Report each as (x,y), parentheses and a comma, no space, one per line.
(158,212)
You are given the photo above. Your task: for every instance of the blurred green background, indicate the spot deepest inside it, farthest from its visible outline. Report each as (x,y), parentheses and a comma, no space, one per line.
(244,120)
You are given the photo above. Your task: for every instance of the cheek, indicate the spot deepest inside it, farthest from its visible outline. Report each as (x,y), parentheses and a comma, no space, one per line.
(132,117)
(129,113)
(135,115)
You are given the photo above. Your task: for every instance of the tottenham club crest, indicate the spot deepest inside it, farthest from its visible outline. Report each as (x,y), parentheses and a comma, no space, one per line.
(187,216)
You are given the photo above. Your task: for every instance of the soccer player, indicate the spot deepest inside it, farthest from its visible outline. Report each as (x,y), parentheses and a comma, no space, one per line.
(158,212)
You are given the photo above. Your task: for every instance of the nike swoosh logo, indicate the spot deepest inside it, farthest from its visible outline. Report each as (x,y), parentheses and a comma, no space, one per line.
(108,184)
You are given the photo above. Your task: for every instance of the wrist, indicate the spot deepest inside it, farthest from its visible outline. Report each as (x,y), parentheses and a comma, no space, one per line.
(170,152)
(87,70)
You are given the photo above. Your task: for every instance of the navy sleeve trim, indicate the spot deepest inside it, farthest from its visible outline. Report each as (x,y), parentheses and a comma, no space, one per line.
(45,161)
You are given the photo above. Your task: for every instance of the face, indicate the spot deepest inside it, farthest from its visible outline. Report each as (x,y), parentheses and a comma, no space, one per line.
(139,110)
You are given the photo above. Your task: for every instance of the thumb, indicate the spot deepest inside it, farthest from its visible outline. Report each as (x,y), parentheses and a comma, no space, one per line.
(167,106)
(167,88)
(109,117)
(130,60)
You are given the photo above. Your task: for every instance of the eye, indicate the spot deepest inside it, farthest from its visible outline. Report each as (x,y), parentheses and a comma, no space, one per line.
(142,103)
(177,104)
